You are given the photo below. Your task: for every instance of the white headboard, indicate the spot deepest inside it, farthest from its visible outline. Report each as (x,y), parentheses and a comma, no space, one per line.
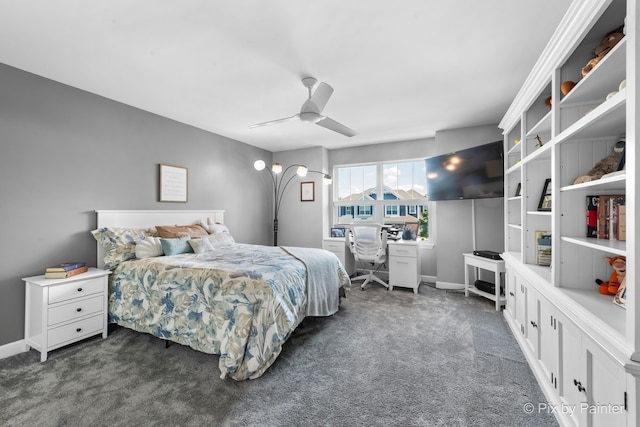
(147,219)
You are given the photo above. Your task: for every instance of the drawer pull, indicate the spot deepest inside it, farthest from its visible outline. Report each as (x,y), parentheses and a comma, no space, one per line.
(80,289)
(79,309)
(78,329)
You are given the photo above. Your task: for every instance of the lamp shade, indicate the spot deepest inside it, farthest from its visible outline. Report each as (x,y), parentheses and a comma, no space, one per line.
(302,170)
(259,165)
(276,168)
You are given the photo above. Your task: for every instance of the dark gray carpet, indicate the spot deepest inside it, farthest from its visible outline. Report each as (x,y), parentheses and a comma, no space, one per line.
(386,359)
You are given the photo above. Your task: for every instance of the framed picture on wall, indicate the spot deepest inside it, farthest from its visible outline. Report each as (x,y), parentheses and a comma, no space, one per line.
(307,191)
(518,189)
(173,184)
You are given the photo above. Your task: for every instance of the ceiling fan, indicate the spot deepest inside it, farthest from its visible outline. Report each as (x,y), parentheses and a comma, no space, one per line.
(312,107)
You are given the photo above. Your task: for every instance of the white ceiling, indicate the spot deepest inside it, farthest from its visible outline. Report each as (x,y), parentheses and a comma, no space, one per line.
(401,70)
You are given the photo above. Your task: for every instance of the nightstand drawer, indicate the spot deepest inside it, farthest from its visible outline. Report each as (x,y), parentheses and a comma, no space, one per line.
(335,247)
(75,289)
(76,330)
(76,309)
(402,251)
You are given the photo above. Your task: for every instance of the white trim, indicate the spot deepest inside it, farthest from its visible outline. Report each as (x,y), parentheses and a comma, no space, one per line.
(450,286)
(13,348)
(428,279)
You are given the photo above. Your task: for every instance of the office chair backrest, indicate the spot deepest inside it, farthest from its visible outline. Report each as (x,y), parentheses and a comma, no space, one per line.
(369,242)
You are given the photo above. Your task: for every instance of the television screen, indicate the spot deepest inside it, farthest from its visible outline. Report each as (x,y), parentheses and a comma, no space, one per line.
(472,173)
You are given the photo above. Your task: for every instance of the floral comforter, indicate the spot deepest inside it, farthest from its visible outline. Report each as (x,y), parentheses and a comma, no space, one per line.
(241,302)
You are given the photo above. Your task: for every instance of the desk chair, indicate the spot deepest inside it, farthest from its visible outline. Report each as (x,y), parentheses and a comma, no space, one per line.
(369,246)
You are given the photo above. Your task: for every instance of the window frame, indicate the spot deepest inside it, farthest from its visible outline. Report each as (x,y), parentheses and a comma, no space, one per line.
(379,206)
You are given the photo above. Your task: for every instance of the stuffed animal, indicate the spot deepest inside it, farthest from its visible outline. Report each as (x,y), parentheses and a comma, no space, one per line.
(619,264)
(601,51)
(607,165)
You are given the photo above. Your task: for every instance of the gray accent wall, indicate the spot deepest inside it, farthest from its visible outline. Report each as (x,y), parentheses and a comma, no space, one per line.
(455,219)
(65,153)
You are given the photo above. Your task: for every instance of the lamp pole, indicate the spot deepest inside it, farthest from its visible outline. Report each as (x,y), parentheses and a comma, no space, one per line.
(280,184)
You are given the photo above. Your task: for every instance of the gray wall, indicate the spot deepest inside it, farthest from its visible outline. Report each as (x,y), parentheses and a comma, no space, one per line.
(454,218)
(65,153)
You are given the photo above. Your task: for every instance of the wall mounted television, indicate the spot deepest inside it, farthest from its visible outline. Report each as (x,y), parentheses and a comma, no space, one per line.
(472,173)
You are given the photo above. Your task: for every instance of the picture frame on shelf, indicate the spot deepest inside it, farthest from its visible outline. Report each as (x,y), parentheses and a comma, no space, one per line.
(543,248)
(518,189)
(545,198)
(307,191)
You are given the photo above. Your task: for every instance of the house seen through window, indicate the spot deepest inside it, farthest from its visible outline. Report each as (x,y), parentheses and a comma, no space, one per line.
(387,193)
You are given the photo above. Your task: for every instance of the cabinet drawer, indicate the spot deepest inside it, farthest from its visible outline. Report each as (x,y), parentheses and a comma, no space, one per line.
(77,289)
(402,271)
(403,251)
(335,247)
(76,309)
(75,331)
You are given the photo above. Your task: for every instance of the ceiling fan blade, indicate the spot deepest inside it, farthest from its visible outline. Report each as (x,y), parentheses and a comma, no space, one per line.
(321,96)
(273,122)
(336,127)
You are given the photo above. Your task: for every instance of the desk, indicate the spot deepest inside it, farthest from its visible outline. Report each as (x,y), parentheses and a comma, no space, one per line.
(495,265)
(338,246)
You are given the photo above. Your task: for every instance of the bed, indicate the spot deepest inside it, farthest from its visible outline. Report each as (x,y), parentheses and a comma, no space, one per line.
(239,301)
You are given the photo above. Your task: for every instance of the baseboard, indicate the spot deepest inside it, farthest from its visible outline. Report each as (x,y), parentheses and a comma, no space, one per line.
(449,286)
(13,348)
(428,279)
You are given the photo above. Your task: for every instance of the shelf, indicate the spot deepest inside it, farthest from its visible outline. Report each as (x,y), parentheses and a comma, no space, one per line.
(515,226)
(602,307)
(539,213)
(616,182)
(502,299)
(616,247)
(606,120)
(513,168)
(597,82)
(543,152)
(543,126)
(514,198)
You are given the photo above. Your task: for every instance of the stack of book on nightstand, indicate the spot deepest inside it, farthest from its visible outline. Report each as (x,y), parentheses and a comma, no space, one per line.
(64,270)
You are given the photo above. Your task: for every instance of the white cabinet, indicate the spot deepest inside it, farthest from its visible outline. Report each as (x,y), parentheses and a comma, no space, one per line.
(337,246)
(404,264)
(588,348)
(62,311)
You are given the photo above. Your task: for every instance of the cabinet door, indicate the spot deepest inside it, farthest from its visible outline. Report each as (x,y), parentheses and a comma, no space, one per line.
(532,320)
(606,386)
(521,303)
(573,379)
(510,293)
(548,341)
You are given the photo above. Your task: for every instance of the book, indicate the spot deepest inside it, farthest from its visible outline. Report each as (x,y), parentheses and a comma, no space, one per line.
(603,216)
(65,266)
(622,222)
(65,274)
(543,248)
(614,205)
(592,216)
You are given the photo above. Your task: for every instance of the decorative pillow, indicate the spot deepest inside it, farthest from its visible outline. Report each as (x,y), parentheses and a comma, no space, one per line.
(176,246)
(215,228)
(119,243)
(148,248)
(221,240)
(201,245)
(173,231)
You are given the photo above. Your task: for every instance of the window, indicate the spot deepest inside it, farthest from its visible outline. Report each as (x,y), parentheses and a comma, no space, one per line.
(388,193)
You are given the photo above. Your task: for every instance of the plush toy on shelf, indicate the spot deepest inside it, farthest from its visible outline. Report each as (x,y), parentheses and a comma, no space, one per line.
(619,265)
(607,165)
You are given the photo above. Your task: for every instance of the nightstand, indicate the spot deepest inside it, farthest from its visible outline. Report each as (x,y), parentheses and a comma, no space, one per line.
(59,312)
(404,264)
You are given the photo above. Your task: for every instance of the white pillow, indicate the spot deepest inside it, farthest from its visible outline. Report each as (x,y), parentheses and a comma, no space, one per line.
(214,228)
(201,245)
(221,240)
(149,247)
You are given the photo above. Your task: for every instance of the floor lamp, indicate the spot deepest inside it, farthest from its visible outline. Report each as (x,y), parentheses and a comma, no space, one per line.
(281,180)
